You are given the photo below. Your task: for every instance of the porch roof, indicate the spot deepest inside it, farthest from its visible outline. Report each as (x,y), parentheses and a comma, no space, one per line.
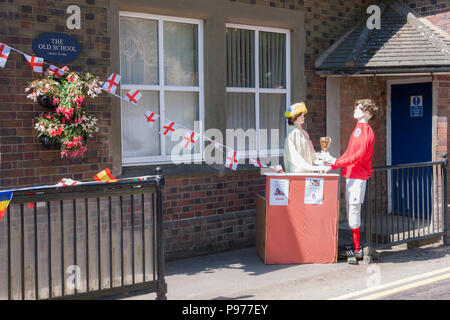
(405,43)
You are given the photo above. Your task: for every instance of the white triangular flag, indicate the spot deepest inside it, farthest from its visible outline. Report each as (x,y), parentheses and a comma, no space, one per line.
(232,160)
(35,62)
(190,139)
(257,163)
(57,72)
(112,83)
(151,118)
(169,128)
(4,53)
(65,182)
(278,168)
(133,96)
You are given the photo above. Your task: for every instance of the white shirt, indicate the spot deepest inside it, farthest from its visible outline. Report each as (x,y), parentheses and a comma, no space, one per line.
(299,152)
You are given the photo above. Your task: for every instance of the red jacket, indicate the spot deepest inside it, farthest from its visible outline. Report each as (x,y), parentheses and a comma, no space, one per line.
(356,162)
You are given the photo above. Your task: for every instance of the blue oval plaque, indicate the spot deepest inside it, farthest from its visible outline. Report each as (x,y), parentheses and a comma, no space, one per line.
(56,47)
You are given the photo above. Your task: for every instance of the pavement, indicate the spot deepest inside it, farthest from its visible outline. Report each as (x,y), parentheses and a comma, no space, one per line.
(242,275)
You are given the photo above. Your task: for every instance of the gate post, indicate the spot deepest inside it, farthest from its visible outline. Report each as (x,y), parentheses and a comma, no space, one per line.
(161,286)
(444,197)
(368,248)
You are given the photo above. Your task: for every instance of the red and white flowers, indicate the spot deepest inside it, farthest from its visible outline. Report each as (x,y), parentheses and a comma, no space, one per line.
(69,125)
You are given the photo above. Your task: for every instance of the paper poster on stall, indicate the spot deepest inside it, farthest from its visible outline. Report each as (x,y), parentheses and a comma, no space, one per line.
(314,190)
(279,192)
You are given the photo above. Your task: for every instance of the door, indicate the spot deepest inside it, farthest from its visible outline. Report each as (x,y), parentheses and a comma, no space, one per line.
(411,128)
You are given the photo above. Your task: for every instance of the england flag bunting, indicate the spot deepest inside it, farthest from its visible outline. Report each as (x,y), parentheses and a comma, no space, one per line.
(65,182)
(216,144)
(133,96)
(169,128)
(57,72)
(257,163)
(151,118)
(4,53)
(278,168)
(35,62)
(112,83)
(232,160)
(190,138)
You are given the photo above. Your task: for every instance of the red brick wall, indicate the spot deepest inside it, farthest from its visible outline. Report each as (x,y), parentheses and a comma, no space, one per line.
(443,107)
(210,213)
(443,114)
(436,11)
(23,159)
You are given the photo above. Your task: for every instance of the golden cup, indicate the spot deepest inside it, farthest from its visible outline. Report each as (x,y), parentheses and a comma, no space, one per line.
(325,143)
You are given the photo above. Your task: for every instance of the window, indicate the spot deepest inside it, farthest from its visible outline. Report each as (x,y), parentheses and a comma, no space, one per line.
(162,57)
(258,87)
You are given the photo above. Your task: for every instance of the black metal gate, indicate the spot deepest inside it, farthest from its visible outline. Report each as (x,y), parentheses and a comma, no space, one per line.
(405,203)
(86,241)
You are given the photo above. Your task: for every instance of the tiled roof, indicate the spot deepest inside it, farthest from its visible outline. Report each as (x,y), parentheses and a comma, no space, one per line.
(404,42)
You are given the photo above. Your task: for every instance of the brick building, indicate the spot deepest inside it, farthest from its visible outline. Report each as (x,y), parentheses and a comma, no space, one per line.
(207,208)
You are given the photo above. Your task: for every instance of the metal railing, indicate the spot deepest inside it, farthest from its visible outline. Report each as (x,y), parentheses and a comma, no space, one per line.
(87,241)
(406,203)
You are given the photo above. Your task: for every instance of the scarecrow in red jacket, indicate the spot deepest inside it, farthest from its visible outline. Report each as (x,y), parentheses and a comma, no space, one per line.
(356,164)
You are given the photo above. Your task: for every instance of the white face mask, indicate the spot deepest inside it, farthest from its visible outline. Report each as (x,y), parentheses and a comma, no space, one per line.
(359,114)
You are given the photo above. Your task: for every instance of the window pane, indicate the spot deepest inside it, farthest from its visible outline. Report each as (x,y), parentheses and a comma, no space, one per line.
(241,118)
(272,60)
(180,54)
(138,139)
(271,115)
(138,51)
(182,107)
(240,57)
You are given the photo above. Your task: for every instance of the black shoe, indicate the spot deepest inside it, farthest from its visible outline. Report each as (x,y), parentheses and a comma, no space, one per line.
(345,252)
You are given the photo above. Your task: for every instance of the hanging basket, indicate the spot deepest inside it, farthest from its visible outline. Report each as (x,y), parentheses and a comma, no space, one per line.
(49,142)
(46,102)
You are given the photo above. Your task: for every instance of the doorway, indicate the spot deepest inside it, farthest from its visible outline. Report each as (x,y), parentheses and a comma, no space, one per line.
(411,142)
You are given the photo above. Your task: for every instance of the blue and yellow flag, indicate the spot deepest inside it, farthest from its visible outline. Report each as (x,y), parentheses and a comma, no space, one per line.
(5,198)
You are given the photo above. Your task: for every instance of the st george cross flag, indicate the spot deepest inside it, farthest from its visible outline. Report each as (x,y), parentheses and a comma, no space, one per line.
(151,118)
(5,198)
(232,160)
(112,83)
(168,128)
(67,182)
(4,53)
(35,62)
(57,72)
(105,176)
(278,168)
(190,139)
(133,96)
(257,163)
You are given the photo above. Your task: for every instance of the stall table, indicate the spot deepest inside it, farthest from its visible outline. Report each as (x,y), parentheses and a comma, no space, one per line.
(288,230)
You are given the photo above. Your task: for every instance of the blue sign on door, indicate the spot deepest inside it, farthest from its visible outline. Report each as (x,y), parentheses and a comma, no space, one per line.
(416,107)
(56,47)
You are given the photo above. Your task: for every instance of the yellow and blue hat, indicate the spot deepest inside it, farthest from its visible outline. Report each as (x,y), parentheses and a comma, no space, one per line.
(295,109)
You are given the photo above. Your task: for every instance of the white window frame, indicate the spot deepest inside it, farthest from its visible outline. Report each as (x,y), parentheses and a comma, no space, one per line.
(257,90)
(162,88)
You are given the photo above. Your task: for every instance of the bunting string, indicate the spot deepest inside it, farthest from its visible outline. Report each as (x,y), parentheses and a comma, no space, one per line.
(132,96)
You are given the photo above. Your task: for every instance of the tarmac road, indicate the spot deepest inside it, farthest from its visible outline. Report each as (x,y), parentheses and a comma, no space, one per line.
(436,291)
(421,273)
